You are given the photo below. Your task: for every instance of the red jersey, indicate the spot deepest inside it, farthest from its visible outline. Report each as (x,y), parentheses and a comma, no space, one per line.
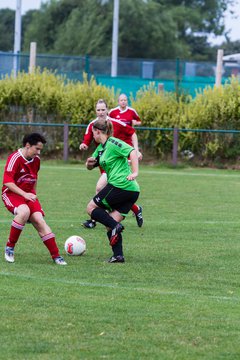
(126,116)
(120,130)
(22,172)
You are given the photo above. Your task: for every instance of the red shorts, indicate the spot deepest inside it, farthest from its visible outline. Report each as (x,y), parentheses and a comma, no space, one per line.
(12,201)
(101,170)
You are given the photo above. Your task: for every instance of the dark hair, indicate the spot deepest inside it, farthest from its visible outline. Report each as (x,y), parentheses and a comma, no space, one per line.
(33,139)
(104,125)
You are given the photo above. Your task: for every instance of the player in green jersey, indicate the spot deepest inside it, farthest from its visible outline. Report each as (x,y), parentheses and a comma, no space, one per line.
(114,201)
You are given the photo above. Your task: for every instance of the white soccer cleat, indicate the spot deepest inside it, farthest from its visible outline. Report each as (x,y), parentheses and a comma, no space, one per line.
(60,260)
(9,254)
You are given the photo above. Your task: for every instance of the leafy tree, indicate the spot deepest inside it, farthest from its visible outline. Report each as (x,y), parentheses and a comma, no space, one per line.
(7,17)
(231,47)
(162,29)
(147,30)
(26,21)
(87,30)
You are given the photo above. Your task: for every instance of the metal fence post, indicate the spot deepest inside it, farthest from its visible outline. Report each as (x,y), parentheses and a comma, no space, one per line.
(175,146)
(177,81)
(87,67)
(65,141)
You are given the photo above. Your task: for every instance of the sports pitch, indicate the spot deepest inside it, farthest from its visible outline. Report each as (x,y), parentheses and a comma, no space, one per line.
(176,297)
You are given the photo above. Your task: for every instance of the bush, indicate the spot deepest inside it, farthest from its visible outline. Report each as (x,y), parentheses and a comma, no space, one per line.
(49,98)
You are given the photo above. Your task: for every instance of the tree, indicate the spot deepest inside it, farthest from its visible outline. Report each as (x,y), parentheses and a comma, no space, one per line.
(147,29)
(87,30)
(7,17)
(231,47)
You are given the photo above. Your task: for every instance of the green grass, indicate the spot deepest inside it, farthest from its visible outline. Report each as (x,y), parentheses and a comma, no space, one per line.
(176,297)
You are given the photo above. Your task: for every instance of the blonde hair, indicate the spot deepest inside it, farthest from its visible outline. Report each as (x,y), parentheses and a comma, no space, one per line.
(122,95)
(105,126)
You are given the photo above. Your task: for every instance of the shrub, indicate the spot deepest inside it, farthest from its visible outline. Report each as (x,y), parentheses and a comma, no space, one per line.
(47,97)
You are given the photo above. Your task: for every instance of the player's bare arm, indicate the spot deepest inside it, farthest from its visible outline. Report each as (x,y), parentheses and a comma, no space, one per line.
(14,188)
(135,145)
(134,165)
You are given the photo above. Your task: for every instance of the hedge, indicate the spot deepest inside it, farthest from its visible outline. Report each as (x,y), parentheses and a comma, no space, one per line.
(47,97)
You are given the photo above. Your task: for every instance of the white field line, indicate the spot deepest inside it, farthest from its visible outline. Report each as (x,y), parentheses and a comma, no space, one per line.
(117,287)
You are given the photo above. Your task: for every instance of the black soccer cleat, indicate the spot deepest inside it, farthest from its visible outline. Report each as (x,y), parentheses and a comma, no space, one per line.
(116,259)
(89,224)
(115,232)
(139,217)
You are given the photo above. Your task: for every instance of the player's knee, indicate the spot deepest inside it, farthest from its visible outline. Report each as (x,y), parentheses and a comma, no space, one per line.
(90,207)
(98,188)
(38,221)
(23,212)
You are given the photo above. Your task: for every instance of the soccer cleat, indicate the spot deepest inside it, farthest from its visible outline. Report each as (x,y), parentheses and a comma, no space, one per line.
(139,217)
(59,260)
(89,224)
(9,254)
(116,259)
(115,232)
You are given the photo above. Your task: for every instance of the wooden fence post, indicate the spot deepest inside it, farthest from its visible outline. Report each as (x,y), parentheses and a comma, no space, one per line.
(32,57)
(175,147)
(219,68)
(65,141)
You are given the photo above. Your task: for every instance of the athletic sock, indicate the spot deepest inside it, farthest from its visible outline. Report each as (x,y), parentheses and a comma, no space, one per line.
(135,208)
(15,232)
(103,217)
(117,248)
(50,242)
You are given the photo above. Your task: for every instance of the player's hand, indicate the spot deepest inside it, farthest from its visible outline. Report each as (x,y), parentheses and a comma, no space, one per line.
(132,176)
(136,123)
(140,155)
(30,196)
(91,162)
(83,146)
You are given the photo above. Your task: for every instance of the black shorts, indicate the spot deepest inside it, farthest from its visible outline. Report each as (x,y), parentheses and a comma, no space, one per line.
(113,198)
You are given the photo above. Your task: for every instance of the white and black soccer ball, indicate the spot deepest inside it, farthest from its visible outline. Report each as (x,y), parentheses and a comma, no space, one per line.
(75,245)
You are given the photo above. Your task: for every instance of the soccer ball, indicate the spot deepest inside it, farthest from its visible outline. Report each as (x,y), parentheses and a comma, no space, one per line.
(75,245)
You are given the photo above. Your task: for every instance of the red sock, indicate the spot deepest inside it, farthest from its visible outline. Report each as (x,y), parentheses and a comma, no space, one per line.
(15,232)
(135,208)
(50,242)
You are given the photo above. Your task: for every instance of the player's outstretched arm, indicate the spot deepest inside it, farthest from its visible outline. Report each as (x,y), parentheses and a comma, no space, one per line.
(83,146)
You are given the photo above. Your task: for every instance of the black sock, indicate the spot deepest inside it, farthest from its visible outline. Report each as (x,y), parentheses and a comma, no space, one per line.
(103,217)
(117,248)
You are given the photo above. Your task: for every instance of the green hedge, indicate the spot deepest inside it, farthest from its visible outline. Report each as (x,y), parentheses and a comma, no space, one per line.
(47,97)
(213,109)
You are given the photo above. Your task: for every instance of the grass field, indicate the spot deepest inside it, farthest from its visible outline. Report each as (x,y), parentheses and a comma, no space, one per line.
(176,297)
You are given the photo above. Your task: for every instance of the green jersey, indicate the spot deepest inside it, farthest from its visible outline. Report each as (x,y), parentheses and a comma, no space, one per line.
(113,158)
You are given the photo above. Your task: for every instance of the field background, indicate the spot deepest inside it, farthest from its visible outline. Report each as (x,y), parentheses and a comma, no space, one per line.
(176,297)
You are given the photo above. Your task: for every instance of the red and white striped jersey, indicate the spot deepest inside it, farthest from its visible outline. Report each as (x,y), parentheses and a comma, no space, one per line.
(126,116)
(121,131)
(22,172)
